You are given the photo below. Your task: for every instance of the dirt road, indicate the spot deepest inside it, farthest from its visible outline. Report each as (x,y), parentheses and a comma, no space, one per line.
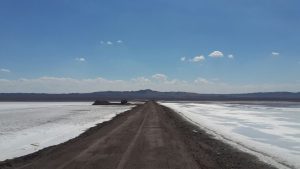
(148,137)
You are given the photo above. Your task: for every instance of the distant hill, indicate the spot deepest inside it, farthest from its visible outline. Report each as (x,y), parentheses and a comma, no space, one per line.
(148,95)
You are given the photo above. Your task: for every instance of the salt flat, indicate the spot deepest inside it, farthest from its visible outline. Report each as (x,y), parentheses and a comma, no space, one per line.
(26,127)
(270,130)
(149,136)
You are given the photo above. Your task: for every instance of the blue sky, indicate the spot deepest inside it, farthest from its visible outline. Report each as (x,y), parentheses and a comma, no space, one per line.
(165,44)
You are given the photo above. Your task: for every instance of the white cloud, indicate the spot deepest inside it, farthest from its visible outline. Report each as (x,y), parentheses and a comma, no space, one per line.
(142,80)
(216,54)
(275,53)
(160,77)
(71,85)
(80,59)
(198,58)
(201,80)
(230,56)
(5,70)
(183,59)
(111,42)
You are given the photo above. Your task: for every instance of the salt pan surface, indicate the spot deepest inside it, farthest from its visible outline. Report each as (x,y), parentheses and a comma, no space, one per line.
(26,127)
(270,130)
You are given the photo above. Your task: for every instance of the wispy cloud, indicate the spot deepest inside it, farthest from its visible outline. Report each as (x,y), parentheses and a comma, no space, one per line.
(5,70)
(156,82)
(109,43)
(201,80)
(230,56)
(142,80)
(183,59)
(160,77)
(199,58)
(216,54)
(80,59)
(275,53)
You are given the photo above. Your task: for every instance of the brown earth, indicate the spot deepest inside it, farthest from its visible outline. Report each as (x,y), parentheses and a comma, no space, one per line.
(149,136)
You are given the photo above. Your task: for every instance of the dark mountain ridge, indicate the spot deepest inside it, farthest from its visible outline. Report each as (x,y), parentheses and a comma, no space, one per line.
(150,95)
